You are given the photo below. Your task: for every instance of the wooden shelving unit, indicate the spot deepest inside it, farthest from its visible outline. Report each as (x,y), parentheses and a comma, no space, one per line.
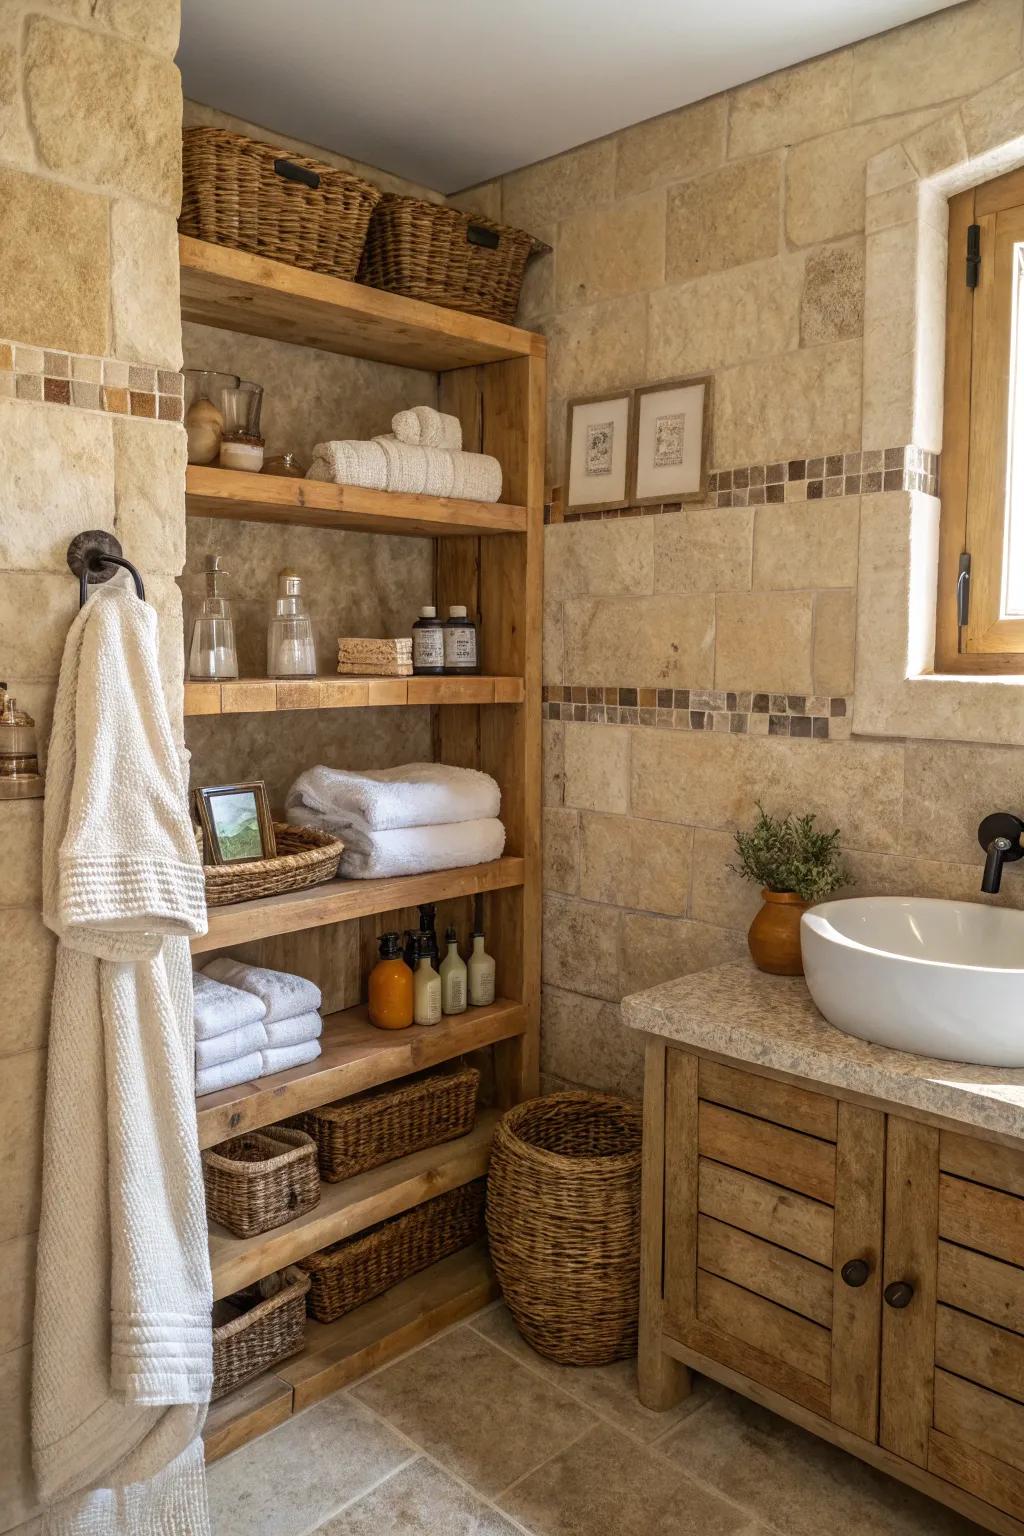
(490,556)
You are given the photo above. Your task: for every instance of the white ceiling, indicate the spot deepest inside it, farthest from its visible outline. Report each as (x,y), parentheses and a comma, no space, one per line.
(452,92)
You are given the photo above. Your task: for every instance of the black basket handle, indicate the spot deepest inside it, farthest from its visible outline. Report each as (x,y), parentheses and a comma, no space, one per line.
(479,234)
(289,171)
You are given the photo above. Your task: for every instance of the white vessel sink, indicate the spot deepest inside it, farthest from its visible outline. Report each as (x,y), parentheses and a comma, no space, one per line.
(942,978)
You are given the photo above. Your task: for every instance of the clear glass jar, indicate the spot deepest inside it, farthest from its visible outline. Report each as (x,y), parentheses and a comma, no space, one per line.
(213,653)
(291,644)
(19,763)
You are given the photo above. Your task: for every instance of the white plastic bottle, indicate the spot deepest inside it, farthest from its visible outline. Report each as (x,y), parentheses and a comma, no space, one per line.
(454,980)
(426,993)
(481,974)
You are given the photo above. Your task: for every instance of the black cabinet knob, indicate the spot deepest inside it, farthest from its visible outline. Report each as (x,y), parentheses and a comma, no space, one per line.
(899,1294)
(855,1272)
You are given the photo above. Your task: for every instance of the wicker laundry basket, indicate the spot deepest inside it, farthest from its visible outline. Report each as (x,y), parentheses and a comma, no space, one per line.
(239,192)
(305,856)
(261,1180)
(250,1334)
(563,1220)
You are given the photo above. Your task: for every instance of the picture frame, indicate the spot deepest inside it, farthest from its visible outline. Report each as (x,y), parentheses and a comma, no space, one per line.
(598,437)
(670,441)
(236,822)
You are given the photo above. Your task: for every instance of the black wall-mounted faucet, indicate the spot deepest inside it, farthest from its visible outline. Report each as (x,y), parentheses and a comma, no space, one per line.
(1002,837)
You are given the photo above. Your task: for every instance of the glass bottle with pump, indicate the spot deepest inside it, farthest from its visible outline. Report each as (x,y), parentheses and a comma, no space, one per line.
(391,987)
(453,977)
(213,653)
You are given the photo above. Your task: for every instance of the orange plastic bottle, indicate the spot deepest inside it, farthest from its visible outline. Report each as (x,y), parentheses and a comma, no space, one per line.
(391,987)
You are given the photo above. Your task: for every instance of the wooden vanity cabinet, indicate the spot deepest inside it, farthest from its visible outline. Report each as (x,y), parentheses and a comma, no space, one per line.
(858,1271)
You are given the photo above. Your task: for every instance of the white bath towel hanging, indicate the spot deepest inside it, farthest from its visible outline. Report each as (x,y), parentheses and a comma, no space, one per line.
(122,1352)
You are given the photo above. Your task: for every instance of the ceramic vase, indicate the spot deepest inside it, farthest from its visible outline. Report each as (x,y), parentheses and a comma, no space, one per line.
(774,935)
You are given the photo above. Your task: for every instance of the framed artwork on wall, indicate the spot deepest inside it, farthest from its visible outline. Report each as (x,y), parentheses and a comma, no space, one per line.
(670,441)
(598,436)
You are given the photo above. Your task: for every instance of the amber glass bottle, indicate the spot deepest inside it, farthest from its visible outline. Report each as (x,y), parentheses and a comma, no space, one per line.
(391,987)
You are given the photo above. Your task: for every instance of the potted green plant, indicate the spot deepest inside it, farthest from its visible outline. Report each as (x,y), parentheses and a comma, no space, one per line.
(795,865)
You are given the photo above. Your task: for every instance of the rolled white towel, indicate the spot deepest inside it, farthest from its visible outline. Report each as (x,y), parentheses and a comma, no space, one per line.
(297,1031)
(414,795)
(416,850)
(424,427)
(282,1057)
(349,461)
(219,1009)
(228,1074)
(229,1047)
(282,994)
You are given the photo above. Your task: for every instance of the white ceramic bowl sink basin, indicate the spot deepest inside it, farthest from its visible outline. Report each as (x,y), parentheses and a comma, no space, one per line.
(941,978)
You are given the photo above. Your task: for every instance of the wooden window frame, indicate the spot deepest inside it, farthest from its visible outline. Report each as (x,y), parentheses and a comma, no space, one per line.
(975,409)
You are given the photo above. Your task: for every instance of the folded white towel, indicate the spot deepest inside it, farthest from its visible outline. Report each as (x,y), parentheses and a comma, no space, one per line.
(477,477)
(228,1074)
(219,1009)
(297,1031)
(385,464)
(229,1047)
(285,1056)
(415,850)
(282,994)
(414,795)
(417,471)
(428,428)
(350,462)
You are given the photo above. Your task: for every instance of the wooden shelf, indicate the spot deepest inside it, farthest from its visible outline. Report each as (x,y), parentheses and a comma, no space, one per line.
(259,695)
(355,1056)
(339,901)
(350,1207)
(239,1417)
(236,291)
(244,497)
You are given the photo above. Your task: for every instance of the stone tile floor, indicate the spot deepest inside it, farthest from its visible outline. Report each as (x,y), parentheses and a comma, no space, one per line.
(473,1434)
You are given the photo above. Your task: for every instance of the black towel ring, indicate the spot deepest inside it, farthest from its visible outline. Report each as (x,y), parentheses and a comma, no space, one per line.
(93,556)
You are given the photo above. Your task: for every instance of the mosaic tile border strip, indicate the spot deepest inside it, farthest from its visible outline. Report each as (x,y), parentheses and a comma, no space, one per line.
(810,479)
(91,383)
(812,718)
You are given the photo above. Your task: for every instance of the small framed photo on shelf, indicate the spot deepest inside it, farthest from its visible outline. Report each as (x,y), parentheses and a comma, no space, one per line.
(236,822)
(671,441)
(597,450)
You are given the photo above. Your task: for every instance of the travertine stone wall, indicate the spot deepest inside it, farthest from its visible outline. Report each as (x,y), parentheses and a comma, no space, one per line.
(90,115)
(698,660)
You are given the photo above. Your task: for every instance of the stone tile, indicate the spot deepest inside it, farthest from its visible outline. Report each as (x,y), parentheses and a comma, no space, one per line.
(21,834)
(484,199)
(807,544)
(144,283)
(763,640)
(596,759)
(662,641)
(419,1500)
(606,251)
(939,146)
(553,757)
(598,346)
(832,308)
(718,895)
(149,25)
(903,267)
(149,461)
(599,559)
(703,549)
(950,786)
(606,1482)
(673,147)
(58,470)
(835,635)
(29,954)
(630,863)
(724,219)
(726,317)
(292,1479)
(657,949)
(583,1040)
(825,177)
(61,297)
(15,1384)
(555,188)
(953,53)
(552,667)
(560,841)
(581,948)
(474,1410)
(21,1143)
(715,780)
(537,295)
(995,116)
(883,874)
(15,141)
(17,1290)
(791,105)
(790,406)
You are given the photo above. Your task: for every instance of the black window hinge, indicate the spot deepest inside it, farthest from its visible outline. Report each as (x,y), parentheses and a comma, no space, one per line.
(973,254)
(963,591)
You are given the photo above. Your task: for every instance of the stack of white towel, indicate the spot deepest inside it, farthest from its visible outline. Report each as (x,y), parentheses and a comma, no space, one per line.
(251,1022)
(402,821)
(422,455)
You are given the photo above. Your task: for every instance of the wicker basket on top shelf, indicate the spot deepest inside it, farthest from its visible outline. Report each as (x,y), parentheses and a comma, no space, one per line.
(305,856)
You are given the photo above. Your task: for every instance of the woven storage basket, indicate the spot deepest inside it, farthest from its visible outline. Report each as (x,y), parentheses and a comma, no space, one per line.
(563,1219)
(350,1272)
(376,1127)
(248,1342)
(261,1180)
(305,856)
(440,254)
(239,192)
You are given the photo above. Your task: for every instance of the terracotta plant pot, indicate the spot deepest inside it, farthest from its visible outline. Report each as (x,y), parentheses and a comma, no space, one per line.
(774,935)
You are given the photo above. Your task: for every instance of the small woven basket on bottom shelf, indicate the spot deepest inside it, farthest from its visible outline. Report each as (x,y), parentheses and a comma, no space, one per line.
(305,856)
(249,1341)
(261,1180)
(563,1222)
(353,1271)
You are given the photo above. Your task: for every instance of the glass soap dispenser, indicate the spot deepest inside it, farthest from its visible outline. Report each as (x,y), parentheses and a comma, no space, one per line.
(213,654)
(291,646)
(20,778)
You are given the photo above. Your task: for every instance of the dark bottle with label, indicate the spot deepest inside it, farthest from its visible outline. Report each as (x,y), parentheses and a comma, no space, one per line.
(428,933)
(428,644)
(460,650)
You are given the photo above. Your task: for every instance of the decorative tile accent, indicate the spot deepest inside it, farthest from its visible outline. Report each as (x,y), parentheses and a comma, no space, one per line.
(91,383)
(810,718)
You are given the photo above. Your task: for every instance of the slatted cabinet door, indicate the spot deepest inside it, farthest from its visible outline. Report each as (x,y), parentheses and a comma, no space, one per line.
(771,1190)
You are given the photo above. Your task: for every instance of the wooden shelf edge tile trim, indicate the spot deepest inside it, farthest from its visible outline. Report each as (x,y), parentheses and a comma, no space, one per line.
(261,695)
(249,1411)
(339,901)
(237,291)
(241,496)
(355,1056)
(352,1206)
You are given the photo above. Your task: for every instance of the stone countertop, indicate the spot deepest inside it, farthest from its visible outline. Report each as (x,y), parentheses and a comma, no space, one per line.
(745,1015)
